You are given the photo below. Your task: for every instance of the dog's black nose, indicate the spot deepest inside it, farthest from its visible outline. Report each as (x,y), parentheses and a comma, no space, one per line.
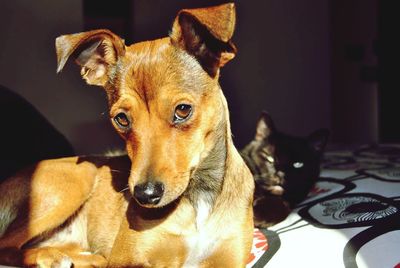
(149,193)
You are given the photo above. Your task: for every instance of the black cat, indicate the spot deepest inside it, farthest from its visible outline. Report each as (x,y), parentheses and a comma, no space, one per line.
(284,168)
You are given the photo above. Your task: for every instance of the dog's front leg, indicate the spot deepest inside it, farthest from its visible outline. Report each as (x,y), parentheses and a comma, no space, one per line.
(43,197)
(62,256)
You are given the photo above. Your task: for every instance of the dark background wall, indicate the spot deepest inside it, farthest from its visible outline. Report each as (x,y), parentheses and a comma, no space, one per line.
(309,63)
(354,70)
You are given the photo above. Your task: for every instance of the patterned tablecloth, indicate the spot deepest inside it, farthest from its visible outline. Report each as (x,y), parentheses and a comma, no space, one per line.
(350,219)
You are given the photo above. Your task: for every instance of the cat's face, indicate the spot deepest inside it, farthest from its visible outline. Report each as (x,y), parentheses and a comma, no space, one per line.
(284,165)
(298,161)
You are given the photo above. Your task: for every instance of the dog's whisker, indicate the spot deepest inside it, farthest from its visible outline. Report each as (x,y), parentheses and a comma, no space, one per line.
(116,170)
(125,189)
(119,170)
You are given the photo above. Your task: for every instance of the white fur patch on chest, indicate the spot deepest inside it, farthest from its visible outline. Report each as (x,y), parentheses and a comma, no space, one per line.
(202,243)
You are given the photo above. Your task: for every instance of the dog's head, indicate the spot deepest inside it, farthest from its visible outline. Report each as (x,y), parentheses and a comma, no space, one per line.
(164,96)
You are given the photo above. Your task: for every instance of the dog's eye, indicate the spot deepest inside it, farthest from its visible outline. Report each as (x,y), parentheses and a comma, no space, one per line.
(122,120)
(182,112)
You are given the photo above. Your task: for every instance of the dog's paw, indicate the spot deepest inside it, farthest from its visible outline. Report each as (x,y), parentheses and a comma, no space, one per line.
(47,258)
(63,262)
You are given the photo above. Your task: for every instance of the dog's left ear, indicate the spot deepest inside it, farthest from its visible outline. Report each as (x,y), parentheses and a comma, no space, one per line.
(206,33)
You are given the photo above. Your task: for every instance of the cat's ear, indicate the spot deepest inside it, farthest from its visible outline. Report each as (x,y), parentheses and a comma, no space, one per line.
(318,139)
(265,126)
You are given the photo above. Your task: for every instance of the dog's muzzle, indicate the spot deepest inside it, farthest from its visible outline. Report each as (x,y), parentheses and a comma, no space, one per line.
(149,193)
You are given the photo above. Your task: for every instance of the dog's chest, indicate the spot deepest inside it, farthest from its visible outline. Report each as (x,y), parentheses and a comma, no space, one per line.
(202,243)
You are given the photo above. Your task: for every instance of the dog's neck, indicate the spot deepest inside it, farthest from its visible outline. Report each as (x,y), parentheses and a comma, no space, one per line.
(206,182)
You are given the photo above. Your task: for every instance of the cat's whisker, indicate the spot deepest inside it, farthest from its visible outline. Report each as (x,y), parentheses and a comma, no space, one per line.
(265,150)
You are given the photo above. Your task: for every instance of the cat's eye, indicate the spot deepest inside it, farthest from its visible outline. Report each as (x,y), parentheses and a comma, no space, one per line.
(122,121)
(270,159)
(298,164)
(182,113)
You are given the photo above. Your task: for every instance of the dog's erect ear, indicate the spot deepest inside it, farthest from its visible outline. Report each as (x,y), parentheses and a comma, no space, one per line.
(95,51)
(265,126)
(206,34)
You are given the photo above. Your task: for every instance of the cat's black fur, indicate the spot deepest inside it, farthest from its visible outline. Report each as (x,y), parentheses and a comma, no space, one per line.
(284,167)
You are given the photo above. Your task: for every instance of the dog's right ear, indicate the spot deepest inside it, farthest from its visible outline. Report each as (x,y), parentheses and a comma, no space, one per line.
(206,33)
(95,51)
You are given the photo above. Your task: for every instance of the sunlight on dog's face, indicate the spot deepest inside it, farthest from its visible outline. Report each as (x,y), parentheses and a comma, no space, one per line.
(166,109)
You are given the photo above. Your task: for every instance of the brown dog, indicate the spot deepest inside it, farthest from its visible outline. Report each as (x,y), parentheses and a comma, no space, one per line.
(192,193)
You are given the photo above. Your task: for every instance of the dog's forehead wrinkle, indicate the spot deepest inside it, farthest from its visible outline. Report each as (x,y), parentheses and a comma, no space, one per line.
(150,55)
(146,67)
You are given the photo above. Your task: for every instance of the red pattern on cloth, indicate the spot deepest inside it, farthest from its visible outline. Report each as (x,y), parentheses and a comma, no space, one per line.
(317,190)
(260,246)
